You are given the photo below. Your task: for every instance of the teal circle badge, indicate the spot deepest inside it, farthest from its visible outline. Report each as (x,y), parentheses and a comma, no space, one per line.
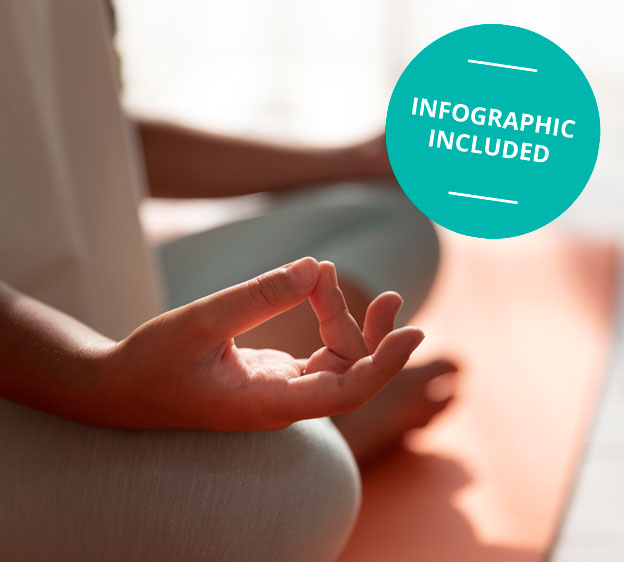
(492,131)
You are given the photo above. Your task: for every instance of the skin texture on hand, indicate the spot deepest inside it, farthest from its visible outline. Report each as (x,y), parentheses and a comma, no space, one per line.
(182,369)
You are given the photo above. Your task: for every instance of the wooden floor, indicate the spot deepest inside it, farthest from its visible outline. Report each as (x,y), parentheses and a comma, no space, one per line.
(593,529)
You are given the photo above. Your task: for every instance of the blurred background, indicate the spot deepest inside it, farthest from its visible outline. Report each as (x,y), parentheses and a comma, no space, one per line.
(322,73)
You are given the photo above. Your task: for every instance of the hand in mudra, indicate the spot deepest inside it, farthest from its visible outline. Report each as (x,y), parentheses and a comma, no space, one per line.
(182,369)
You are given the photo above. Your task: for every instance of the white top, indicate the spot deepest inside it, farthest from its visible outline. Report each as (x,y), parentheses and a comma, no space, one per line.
(69,179)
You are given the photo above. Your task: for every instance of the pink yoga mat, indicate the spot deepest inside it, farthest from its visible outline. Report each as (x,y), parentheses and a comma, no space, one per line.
(529,319)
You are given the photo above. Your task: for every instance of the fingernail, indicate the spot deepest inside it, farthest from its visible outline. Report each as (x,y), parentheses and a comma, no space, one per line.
(331,271)
(304,272)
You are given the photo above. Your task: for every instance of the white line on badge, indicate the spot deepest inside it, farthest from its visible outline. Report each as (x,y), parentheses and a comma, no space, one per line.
(511,201)
(502,65)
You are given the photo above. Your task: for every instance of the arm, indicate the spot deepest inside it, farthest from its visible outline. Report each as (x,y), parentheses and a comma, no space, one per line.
(183,370)
(183,162)
(48,360)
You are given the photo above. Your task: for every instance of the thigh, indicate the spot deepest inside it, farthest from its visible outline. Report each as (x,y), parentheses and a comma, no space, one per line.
(371,231)
(70,492)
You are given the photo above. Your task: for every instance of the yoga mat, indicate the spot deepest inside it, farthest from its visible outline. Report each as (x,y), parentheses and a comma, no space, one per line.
(529,320)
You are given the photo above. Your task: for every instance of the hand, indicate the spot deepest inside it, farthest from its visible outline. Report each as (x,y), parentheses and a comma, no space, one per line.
(183,370)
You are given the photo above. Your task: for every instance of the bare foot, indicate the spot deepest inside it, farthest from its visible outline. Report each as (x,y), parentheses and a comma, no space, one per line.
(410,401)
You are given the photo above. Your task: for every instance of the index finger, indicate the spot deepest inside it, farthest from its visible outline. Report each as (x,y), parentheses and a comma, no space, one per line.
(237,309)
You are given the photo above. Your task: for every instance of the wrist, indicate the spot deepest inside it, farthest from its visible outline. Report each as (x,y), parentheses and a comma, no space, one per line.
(101,400)
(84,386)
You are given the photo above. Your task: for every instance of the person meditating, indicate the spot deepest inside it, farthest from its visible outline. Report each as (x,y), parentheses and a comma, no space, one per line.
(208,399)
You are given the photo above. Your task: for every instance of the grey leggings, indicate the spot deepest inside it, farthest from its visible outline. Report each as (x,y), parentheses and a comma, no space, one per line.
(372,232)
(73,493)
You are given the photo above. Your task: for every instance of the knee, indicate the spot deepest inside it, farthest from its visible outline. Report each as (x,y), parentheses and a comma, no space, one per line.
(398,238)
(415,243)
(410,226)
(267,496)
(175,495)
(387,210)
(311,493)
(303,489)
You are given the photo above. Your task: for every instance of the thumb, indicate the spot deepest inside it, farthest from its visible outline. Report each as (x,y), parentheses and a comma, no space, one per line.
(242,307)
